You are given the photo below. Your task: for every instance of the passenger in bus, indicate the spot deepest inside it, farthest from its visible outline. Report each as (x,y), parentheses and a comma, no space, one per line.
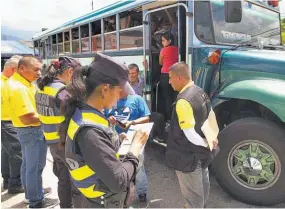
(90,144)
(168,56)
(132,110)
(137,82)
(51,95)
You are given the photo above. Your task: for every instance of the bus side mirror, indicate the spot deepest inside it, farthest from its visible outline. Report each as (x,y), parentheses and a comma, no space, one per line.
(233,11)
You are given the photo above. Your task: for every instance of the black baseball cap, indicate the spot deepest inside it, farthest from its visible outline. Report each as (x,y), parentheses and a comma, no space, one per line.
(109,67)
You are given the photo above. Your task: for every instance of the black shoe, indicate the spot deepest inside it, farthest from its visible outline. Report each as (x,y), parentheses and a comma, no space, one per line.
(46,203)
(5,185)
(16,190)
(142,198)
(47,191)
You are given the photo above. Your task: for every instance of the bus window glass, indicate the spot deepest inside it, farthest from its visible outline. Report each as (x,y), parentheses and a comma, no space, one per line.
(67,42)
(203,24)
(110,41)
(96,36)
(110,37)
(110,24)
(60,43)
(84,29)
(258,24)
(75,40)
(131,29)
(54,45)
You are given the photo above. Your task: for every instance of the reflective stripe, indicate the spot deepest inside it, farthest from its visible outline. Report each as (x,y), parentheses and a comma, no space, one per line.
(51,136)
(49,91)
(72,128)
(51,119)
(48,128)
(90,193)
(81,173)
(91,117)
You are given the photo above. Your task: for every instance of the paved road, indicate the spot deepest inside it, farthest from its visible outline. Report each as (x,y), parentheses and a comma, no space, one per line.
(164,191)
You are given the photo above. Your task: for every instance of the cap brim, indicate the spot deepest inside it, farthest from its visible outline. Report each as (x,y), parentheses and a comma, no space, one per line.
(128,89)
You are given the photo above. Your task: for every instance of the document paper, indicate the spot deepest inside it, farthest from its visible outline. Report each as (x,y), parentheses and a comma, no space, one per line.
(126,144)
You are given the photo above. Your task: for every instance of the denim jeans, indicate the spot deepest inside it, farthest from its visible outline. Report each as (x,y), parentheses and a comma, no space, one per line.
(141,178)
(34,151)
(11,157)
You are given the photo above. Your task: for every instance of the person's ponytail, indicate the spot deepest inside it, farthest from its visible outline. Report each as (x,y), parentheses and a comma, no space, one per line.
(50,74)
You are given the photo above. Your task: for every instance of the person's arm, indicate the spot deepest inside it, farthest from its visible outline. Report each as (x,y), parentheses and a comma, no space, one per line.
(23,107)
(29,118)
(143,110)
(186,122)
(161,56)
(100,155)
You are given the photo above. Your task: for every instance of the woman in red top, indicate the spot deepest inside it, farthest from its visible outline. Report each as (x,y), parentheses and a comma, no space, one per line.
(168,56)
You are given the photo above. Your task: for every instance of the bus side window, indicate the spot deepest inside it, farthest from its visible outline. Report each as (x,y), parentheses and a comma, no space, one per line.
(131,29)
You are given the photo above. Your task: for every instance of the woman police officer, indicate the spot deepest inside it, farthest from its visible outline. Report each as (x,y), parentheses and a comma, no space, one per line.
(90,143)
(50,96)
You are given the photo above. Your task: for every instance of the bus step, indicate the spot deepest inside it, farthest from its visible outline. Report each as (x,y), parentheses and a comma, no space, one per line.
(160,143)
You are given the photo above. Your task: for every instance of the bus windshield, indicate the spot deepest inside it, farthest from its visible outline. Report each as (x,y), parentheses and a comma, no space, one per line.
(258,24)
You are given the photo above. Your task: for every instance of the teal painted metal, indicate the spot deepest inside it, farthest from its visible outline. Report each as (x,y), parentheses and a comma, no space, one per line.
(250,74)
(269,93)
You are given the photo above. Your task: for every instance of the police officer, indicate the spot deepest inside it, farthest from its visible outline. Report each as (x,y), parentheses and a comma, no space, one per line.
(91,145)
(187,151)
(51,94)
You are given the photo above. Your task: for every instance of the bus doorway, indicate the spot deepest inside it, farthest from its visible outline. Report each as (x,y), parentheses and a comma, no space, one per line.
(168,19)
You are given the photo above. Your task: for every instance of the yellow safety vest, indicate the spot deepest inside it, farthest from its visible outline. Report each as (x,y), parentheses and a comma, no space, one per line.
(83,177)
(48,109)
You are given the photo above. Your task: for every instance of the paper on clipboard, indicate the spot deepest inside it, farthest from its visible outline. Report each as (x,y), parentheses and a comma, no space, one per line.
(210,129)
(126,144)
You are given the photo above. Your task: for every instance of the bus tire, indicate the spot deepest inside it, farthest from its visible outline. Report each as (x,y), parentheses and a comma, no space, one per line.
(249,164)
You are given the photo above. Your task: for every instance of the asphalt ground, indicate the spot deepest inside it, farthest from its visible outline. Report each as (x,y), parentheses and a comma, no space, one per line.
(164,191)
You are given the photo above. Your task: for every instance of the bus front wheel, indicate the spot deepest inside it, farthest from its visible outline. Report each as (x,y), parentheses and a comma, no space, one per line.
(251,162)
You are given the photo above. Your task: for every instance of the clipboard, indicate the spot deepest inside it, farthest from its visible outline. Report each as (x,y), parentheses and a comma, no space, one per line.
(126,144)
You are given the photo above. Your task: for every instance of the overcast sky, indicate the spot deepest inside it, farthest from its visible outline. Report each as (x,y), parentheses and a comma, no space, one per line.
(36,14)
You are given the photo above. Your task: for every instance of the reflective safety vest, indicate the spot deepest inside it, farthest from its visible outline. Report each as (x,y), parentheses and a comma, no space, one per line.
(83,177)
(48,108)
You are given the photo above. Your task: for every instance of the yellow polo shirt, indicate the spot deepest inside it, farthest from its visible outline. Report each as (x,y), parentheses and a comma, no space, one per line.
(184,111)
(5,107)
(22,99)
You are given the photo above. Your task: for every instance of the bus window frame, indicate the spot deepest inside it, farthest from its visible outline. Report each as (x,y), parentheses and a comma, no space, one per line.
(129,29)
(64,32)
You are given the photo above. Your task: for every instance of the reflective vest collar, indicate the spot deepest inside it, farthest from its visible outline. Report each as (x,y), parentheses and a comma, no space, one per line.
(52,89)
(85,117)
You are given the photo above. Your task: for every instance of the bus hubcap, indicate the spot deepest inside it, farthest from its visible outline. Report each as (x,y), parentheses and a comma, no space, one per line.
(254,164)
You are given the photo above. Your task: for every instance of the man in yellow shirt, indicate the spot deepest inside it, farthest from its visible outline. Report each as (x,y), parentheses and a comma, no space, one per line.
(187,150)
(21,93)
(11,157)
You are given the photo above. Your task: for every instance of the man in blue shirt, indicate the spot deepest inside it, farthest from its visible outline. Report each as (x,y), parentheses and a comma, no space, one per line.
(132,110)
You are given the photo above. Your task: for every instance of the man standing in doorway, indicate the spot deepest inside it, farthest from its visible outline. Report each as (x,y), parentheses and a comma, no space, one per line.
(187,151)
(21,93)
(11,157)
